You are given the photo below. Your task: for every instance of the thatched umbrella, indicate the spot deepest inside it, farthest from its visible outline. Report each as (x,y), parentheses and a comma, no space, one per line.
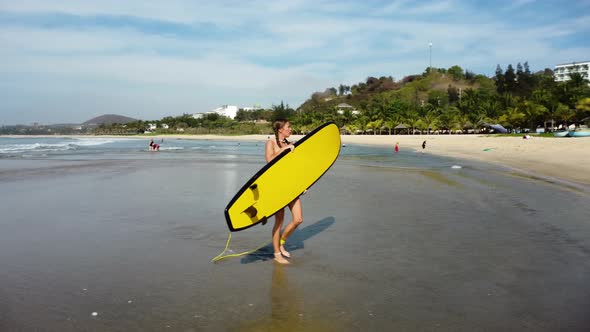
(399,126)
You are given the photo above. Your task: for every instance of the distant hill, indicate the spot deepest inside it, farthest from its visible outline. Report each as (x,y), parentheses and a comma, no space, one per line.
(109,119)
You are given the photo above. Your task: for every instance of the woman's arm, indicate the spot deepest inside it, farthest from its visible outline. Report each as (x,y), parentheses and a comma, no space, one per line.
(269,150)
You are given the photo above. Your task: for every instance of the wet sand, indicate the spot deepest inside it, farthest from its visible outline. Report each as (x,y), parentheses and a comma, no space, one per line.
(383,247)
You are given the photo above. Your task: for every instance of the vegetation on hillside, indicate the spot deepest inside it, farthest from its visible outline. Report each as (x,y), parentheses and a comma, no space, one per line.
(447,100)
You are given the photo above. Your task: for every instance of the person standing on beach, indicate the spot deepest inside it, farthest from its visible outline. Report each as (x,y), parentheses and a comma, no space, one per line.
(397,147)
(274,147)
(423,146)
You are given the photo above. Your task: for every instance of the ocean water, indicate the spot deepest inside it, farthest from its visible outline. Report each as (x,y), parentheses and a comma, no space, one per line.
(102,235)
(96,148)
(65,148)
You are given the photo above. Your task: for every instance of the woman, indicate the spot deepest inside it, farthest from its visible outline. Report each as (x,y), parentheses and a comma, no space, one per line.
(154,146)
(275,147)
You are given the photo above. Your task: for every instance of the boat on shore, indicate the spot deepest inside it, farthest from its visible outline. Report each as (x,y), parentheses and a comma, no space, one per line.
(579,132)
(582,130)
(561,133)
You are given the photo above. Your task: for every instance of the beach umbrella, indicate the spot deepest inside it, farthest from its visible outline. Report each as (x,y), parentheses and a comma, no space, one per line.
(399,127)
(499,128)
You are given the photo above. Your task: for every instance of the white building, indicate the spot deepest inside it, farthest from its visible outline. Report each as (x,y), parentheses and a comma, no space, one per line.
(562,71)
(253,108)
(341,108)
(226,110)
(201,115)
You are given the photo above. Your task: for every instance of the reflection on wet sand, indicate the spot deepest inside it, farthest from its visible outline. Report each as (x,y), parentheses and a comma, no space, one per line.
(288,308)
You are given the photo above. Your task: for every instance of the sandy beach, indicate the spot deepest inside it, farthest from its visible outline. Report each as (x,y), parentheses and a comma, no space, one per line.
(559,158)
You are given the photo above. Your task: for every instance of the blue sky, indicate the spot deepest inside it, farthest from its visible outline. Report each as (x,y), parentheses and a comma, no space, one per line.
(69,61)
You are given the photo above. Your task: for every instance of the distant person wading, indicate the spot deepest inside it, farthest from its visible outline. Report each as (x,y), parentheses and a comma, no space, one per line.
(154,146)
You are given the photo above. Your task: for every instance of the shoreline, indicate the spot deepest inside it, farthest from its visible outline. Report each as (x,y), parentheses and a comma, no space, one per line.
(566,159)
(559,158)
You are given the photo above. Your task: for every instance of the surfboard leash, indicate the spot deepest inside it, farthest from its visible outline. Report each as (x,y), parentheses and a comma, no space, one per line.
(221,256)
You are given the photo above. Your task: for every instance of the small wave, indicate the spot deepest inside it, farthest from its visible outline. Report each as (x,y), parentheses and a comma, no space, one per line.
(92,142)
(170,148)
(36,147)
(66,145)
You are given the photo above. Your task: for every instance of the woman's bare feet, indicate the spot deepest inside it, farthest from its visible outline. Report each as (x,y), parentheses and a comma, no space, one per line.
(284,252)
(280,259)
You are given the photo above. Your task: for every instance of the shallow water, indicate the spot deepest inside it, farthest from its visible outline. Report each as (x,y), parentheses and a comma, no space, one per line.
(389,242)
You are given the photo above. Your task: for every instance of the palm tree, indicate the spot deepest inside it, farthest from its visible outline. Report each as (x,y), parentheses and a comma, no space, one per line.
(375,125)
(411,117)
(352,128)
(429,120)
(512,118)
(479,119)
(532,111)
(361,123)
(583,105)
(577,80)
(463,122)
(469,100)
(564,113)
(490,107)
(447,119)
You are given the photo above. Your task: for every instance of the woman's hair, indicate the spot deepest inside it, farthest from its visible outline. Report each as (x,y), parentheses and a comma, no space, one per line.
(276,126)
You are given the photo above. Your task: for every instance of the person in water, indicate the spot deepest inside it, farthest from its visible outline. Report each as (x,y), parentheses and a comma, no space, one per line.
(274,147)
(154,146)
(397,147)
(423,146)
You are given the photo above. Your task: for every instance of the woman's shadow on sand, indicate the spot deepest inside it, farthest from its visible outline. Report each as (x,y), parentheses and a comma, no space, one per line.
(295,241)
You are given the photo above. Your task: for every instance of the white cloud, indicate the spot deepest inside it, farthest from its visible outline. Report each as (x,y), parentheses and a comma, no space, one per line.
(290,49)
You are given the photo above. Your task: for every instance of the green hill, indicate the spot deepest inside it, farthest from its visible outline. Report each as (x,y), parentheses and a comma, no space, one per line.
(108,119)
(414,89)
(443,100)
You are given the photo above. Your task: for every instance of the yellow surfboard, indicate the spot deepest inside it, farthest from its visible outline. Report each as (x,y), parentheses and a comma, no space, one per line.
(285,178)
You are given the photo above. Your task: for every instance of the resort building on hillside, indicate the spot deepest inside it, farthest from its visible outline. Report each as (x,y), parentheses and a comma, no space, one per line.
(562,72)
(345,107)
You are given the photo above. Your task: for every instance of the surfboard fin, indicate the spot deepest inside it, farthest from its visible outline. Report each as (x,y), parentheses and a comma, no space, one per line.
(251,211)
(255,192)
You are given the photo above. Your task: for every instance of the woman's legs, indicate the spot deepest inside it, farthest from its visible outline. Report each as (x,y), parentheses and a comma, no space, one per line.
(276,236)
(297,212)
